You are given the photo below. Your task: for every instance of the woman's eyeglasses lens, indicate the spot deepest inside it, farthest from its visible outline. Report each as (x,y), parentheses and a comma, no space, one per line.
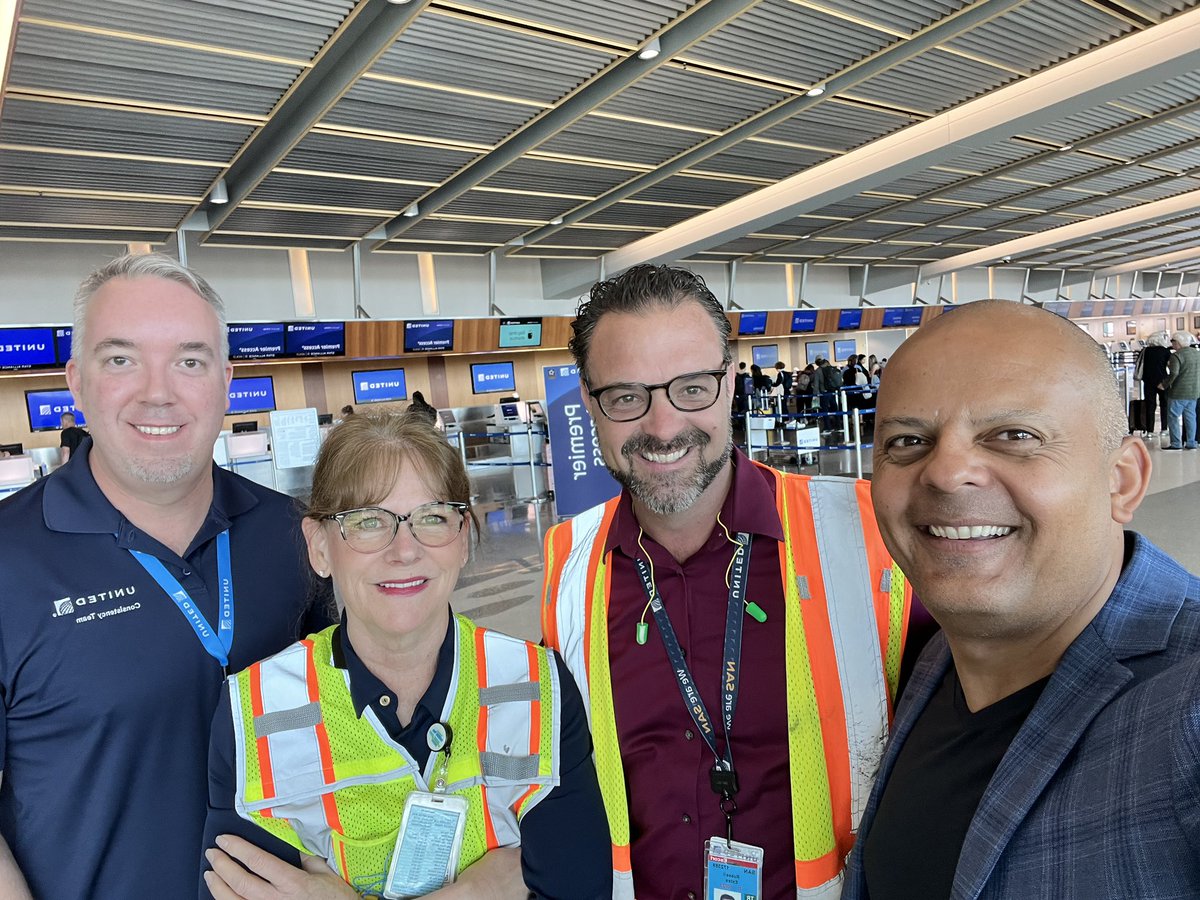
(372,529)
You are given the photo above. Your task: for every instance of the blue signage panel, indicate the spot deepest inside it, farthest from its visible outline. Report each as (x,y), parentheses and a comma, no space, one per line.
(752,322)
(765,355)
(849,319)
(912,315)
(893,316)
(379,386)
(26,348)
(62,344)
(423,335)
(45,409)
(815,349)
(804,320)
(843,350)
(488,377)
(1127,308)
(520,333)
(259,340)
(1109,308)
(580,478)
(315,339)
(251,395)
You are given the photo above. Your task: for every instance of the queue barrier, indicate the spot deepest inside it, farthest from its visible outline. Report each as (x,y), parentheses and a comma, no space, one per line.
(777,421)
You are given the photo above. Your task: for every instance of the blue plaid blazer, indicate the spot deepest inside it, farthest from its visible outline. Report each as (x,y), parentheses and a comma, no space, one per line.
(1098,796)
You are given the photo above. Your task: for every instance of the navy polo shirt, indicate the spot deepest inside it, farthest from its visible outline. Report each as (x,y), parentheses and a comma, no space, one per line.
(565,847)
(108,693)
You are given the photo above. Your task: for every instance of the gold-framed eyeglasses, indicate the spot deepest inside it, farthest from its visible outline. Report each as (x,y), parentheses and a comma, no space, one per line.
(629,401)
(369,529)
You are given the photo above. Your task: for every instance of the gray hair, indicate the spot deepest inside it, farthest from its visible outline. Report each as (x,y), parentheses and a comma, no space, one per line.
(149,265)
(1182,338)
(1158,339)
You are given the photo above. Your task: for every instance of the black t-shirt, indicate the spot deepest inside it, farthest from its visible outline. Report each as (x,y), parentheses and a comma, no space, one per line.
(936,785)
(72,437)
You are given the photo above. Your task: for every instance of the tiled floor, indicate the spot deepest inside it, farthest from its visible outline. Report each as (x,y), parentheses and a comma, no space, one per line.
(501,585)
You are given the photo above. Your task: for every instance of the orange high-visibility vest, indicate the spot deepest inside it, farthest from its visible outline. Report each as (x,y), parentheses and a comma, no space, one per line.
(847,606)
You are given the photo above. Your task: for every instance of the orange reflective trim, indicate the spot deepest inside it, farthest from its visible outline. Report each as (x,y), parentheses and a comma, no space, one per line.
(535,706)
(610,511)
(488,827)
(878,562)
(818,634)
(621,861)
(261,744)
(332,819)
(310,676)
(816,872)
(558,548)
(481,671)
(345,873)
(314,696)
(533,789)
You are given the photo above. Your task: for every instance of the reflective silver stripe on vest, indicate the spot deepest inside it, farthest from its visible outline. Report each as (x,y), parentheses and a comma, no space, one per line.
(575,596)
(496,694)
(830,890)
(510,768)
(849,586)
(307,716)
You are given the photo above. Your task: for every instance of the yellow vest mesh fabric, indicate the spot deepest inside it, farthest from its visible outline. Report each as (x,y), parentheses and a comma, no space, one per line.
(466,765)
(896,603)
(812,817)
(609,769)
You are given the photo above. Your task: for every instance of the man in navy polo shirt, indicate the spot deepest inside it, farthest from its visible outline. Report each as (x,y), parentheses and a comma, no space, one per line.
(131,580)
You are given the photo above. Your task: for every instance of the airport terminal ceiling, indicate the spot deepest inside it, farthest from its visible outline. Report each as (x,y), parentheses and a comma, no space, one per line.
(934,135)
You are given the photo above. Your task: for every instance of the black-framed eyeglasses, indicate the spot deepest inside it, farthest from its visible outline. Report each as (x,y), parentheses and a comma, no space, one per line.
(628,402)
(371,528)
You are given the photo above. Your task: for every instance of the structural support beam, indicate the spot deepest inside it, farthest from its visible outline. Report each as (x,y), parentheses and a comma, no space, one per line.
(1139,60)
(675,39)
(371,28)
(1156,262)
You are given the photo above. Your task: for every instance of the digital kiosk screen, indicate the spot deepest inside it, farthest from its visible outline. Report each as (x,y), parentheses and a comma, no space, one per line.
(520,333)
(804,320)
(27,348)
(45,409)
(260,340)
(379,386)
(251,395)
(425,335)
(752,322)
(813,350)
(849,319)
(315,339)
(843,350)
(487,378)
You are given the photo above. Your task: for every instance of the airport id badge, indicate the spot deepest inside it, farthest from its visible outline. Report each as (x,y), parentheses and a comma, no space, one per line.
(428,846)
(732,870)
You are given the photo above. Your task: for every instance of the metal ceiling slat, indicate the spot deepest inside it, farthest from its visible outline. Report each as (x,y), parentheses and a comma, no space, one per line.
(89,211)
(838,126)
(691,98)
(342,154)
(494,233)
(906,16)
(381,199)
(649,215)
(1096,120)
(486,204)
(60,172)
(630,21)
(631,142)
(933,82)
(298,222)
(281,242)
(532,174)
(684,189)
(762,160)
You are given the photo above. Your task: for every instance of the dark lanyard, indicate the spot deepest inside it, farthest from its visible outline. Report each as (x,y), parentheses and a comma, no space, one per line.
(722,777)
(218,642)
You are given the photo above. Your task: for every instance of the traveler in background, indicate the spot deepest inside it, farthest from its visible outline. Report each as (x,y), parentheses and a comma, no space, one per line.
(742,388)
(1182,386)
(347,411)
(652,345)
(1046,747)
(783,381)
(1151,370)
(70,439)
(828,382)
(367,700)
(114,572)
(421,411)
(761,383)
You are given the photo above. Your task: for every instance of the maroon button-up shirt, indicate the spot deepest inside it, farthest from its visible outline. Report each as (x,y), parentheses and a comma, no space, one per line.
(672,807)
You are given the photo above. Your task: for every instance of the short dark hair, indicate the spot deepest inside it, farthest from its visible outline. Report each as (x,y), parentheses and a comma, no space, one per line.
(642,289)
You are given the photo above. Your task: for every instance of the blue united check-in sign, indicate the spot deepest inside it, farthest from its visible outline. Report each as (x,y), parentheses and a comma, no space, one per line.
(580,477)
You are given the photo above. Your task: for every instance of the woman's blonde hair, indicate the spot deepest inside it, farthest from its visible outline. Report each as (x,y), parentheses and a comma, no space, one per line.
(360,462)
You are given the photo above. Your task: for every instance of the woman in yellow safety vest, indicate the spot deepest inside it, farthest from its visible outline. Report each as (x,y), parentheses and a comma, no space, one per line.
(404,748)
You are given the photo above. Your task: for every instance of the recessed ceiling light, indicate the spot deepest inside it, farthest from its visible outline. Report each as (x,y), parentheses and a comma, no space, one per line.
(651,50)
(1066,147)
(413,209)
(399,2)
(815,91)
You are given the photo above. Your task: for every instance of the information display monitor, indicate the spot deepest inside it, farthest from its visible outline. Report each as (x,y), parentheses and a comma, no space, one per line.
(487,378)
(379,386)
(27,348)
(843,350)
(308,339)
(62,344)
(804,320)
(426,335)
(256,340)
(815,349)
(251,395)
(520,333)
(45,409)
(849,319)
(752,323)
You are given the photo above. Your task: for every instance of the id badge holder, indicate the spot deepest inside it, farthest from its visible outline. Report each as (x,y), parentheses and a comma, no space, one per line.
(428,845)
(732,870)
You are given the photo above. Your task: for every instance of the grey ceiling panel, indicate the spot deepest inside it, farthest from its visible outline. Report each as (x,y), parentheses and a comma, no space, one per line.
(692,98)
(410,110)
(1170,93)
(346,155)
(985,218)
(985,159)
(866,230)
(1119,179)
(303,241)
(601,138)
(101,129)
(983,192)
(852,207)
(1186,160)
(559,252)
(904,16)
(743,245)
(67,62)
(1075,128)
(59,172)
(789,43)
(1147,139)
(73,211)
(626,20)
(97,235)
(1060,166)
(475,55)
(837,126)
(649,215)
(526,207)
(759,159)
(293,29)
(1166,189)
(292,222)
(491,233)
(594,237)
(381,198)
(552,176)
(403,246)
(685,189)
(932,82)
(921,183)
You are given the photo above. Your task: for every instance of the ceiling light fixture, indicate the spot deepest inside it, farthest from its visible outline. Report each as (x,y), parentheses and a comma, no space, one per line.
(399,2)
(220,193)
(815,91)
(1066,147)
(413,209)
(557,220)
(651,50)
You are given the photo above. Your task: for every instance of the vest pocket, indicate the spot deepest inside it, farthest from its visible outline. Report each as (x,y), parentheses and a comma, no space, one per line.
(363,863)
